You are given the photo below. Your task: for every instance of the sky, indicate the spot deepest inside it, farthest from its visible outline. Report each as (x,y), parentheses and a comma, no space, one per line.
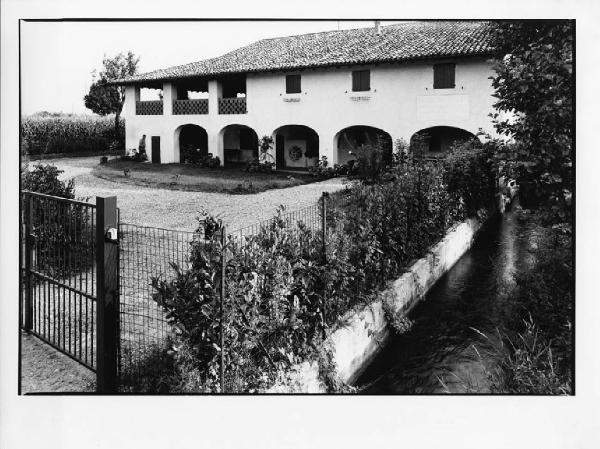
(58,58)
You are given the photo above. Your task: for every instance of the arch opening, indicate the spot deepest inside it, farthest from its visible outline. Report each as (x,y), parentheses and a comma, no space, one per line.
(438,140)
(192,143)
(240,144)
(354,140)
(296,147)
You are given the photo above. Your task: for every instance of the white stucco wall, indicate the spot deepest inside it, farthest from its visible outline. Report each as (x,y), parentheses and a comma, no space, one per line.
(401,102)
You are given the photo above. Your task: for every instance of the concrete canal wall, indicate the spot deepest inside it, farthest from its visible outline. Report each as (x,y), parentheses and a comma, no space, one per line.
(354,345)
(365,332)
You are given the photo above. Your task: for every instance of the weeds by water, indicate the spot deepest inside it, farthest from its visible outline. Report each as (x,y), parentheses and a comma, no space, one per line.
(533,352)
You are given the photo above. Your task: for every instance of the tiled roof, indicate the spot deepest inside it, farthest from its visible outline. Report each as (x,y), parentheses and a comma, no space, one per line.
(399,42)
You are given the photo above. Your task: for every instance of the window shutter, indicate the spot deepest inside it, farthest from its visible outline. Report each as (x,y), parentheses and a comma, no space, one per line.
(444,76)
(355,81)
(361,80)
(293,84)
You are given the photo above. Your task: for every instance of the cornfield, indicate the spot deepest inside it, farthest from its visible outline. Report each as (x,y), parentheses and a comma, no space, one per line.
(49,134)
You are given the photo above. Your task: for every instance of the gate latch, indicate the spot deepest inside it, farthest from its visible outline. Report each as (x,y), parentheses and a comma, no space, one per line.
(111,235)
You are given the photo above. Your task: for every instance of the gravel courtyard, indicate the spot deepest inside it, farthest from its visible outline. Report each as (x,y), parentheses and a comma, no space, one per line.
(174,209)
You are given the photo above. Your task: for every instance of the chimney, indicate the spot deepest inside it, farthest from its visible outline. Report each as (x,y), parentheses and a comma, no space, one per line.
(378,26)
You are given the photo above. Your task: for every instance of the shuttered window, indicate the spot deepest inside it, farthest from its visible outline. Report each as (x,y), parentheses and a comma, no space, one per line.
(361,80)
(443,76)
(293,84)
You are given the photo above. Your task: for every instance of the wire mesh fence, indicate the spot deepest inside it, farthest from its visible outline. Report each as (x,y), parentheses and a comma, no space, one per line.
(151,256)
(60,286)
(146,253)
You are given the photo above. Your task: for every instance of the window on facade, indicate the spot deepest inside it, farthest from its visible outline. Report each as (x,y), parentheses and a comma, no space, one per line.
(292,84)
(361,80)
(443,76)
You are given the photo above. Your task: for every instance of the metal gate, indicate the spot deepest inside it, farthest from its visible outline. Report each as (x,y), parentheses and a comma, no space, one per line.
(69,275)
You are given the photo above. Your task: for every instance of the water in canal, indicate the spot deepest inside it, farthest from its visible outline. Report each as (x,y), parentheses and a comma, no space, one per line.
(443,352)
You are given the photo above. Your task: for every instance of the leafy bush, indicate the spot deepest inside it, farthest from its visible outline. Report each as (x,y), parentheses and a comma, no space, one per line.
(47,134)
(283,293)
(45,179)
(324,171)
(63,233)
(191,155)
(258,166)
(371,161)
(467,173)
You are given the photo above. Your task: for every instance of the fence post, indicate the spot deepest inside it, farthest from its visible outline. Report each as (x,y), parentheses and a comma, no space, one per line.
(107,295)
(324,239)
(324,223)
(222,298)
(28,309)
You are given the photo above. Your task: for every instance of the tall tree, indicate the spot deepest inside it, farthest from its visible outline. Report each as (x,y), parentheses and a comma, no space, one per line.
(534,85)
(104,99)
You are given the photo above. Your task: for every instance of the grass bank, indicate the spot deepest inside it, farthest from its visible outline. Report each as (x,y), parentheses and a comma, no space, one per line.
(192,178)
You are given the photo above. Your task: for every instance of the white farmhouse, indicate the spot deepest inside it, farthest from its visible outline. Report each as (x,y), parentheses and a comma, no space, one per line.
(320,94)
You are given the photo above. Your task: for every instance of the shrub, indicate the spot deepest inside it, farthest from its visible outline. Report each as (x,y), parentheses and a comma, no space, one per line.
(469,169)
(371,161)
(210,161)
(258,166)
(45,179)
(46,133)
(191,155)
(64,238)
(282,293)
(324,171)
(116,146)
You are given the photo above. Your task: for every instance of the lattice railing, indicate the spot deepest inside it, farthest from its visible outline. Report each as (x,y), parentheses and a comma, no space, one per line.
(190,107)
(232,105)
(154,107)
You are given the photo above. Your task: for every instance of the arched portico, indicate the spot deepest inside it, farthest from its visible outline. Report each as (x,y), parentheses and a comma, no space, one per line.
(437,140)
(240,144)
(350,141)
(296,147)
(191,143)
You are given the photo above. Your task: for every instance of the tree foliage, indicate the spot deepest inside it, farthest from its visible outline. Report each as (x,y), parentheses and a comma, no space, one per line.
(103,98)
(534,88)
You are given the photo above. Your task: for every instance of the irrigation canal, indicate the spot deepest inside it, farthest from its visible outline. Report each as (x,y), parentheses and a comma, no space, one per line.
(443,350)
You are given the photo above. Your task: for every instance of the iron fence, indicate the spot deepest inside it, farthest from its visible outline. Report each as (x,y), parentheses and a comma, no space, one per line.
(59,274)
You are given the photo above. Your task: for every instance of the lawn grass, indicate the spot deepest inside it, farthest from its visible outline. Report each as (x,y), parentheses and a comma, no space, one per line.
(233,180)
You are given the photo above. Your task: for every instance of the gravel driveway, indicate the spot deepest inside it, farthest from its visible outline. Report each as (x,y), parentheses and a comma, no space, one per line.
(174,209)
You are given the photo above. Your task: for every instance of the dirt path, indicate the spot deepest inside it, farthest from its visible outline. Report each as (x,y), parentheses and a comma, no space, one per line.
(45,370)
(178,209)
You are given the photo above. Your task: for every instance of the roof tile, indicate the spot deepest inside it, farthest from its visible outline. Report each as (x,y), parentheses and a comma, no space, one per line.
(399,42)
